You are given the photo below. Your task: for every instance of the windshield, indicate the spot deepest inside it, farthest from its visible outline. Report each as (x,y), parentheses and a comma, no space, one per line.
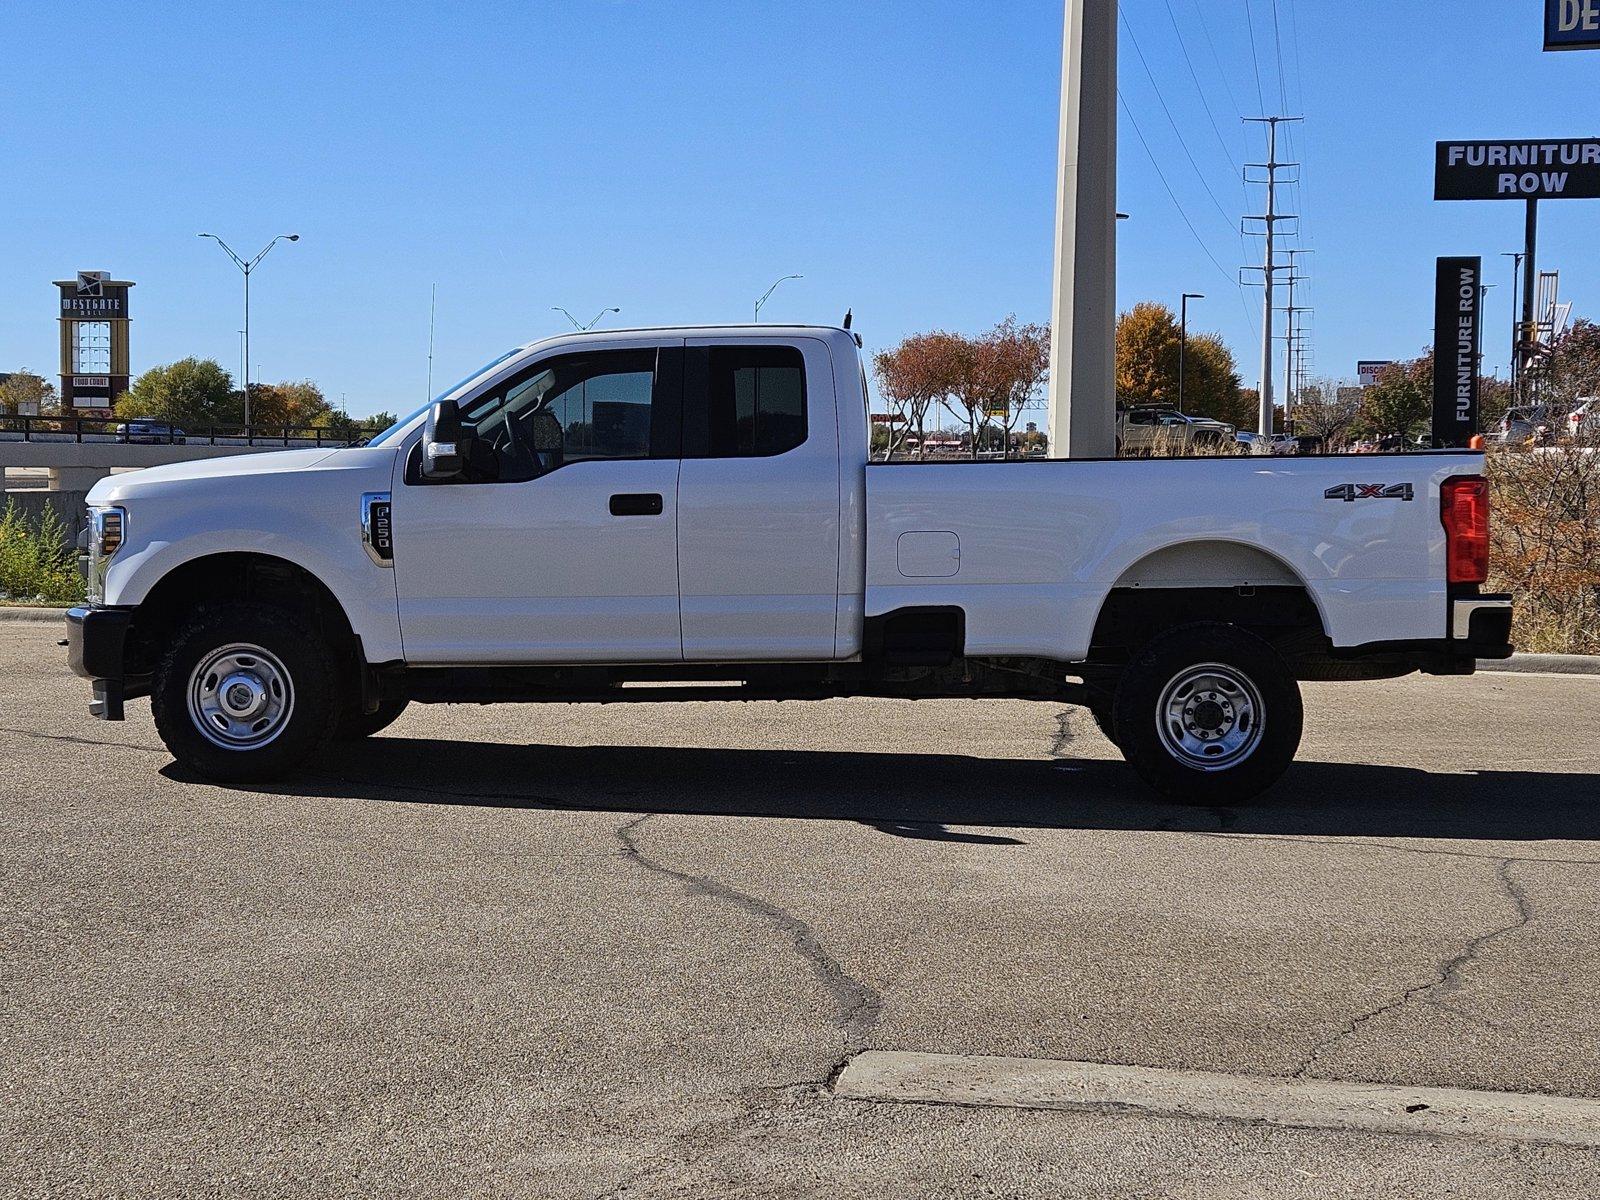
(389,434)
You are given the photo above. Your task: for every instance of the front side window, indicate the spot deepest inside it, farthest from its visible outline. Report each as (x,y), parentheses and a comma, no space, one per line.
(567,409)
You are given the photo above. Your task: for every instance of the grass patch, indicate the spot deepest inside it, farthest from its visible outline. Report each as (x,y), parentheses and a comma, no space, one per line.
(38,559)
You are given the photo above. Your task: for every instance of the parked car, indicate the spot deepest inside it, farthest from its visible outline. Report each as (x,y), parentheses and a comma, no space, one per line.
(624,515)
(1583,422)
(150,432)
(1522,425)
(1145,429)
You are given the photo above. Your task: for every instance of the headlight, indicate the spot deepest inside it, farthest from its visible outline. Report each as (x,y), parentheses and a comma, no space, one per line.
(108,527)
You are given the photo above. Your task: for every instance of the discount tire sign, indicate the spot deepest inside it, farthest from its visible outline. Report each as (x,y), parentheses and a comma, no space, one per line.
(1522,170)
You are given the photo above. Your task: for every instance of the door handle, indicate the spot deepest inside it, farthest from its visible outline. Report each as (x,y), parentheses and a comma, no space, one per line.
(636,504)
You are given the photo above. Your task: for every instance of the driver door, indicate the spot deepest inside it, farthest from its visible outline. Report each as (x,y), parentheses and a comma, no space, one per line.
(562,544)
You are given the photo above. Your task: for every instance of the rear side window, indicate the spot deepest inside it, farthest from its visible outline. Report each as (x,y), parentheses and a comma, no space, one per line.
(745,402)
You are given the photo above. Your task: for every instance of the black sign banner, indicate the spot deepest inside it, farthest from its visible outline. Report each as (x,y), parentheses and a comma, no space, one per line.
(1457,341)
(1572,24)
(106,303)
(1552,170)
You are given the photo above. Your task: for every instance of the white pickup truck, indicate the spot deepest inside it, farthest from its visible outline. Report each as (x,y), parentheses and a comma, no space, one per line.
(596,514)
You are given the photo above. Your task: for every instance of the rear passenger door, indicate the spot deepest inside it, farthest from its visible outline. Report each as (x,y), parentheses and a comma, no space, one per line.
(758,500)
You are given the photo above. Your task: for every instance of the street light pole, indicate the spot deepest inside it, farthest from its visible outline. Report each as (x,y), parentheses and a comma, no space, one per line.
(574,320)
(1183,340)
(1516,358)
(247,267)
(769,292)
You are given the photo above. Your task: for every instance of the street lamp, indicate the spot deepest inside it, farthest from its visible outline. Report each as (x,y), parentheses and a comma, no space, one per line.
(574,320)
(1183,340)
(769,292)
(247,267)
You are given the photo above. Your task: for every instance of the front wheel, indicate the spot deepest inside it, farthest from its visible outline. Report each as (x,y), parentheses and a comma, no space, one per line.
(245,692)
(1209,714)
(355,724)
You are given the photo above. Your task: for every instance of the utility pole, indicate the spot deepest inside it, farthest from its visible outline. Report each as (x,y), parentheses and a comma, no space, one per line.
(1183,339)
(1269,268)
(1292,338)
(1083,386)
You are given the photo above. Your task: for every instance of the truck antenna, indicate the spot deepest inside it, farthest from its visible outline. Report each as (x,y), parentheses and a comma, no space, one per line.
(433,304)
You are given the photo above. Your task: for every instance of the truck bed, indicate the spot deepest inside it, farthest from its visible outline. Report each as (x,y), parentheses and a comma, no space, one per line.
(1031,549)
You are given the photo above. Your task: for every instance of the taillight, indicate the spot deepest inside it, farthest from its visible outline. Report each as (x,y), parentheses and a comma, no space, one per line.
(1466,528)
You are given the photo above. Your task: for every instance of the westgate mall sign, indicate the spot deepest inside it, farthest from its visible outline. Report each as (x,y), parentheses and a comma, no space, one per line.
(1529,170)
(1572,24)
(1457,343)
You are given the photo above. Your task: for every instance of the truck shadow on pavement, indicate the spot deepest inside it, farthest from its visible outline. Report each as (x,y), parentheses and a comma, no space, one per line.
(950,797)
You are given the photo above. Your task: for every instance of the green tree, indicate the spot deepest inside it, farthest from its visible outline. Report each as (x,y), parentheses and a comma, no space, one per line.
(292,403)
(25,388)
(192,392)
(1400,403)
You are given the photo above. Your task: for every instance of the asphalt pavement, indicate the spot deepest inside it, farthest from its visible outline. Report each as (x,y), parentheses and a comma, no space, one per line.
(585,951)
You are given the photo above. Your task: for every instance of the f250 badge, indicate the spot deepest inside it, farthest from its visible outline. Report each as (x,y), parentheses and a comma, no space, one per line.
(1351,492)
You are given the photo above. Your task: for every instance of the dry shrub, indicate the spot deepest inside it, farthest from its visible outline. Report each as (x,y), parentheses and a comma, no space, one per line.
(1546,548)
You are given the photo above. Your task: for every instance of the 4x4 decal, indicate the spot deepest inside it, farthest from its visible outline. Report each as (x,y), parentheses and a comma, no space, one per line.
(1351,492)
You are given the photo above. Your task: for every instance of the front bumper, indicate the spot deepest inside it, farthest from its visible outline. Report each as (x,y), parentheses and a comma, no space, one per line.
(96,639)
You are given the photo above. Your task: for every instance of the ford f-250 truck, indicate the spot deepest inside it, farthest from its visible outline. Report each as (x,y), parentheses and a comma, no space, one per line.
(597,514)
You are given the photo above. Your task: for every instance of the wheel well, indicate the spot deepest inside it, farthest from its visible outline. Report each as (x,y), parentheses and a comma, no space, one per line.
(1281,614)
(221,577)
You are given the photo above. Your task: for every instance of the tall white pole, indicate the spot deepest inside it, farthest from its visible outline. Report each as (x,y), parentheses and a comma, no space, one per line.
(1082,417)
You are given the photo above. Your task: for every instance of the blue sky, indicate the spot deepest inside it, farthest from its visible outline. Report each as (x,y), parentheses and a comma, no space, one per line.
(675,158)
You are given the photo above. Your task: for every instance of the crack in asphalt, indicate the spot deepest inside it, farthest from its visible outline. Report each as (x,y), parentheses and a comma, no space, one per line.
(1447,976)
(859,1006)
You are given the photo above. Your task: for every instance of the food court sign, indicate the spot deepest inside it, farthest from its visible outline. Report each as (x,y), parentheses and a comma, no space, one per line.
(1572,24)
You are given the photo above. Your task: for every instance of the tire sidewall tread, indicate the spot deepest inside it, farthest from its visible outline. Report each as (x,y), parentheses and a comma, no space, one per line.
(304,655)
(1139,693)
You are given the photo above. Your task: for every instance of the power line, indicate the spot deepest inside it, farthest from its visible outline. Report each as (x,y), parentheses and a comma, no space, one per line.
(1173,122)
(1277,41)
(1222,71)
(1176,203)
(1250,22)
(1173,17)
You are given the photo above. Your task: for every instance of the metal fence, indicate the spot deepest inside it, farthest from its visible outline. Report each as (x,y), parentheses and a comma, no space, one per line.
(161,433)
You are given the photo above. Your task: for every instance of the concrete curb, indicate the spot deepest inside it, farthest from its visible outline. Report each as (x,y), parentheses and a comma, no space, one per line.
(1546,664)
(39,615)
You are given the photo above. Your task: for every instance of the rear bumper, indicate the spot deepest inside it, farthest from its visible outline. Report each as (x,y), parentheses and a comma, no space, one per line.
(1482,624)
(96,638)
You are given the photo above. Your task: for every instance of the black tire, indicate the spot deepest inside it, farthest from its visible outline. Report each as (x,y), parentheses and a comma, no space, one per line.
(1104,713)
(283,657)
(1222,736)
(354,724)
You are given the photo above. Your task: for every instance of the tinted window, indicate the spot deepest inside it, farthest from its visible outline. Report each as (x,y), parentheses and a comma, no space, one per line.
(568,409)
(756,401)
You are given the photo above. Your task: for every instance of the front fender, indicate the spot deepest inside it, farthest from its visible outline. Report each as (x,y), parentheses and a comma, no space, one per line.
(314,523)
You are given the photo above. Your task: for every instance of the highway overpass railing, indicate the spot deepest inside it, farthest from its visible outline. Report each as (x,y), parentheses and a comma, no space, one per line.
(160,433)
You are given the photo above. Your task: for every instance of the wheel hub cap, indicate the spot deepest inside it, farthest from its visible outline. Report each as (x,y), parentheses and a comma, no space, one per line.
(240,697)
(1210,717)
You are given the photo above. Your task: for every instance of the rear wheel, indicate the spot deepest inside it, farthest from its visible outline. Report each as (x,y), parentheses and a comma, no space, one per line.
(1209,714)
(244,693)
